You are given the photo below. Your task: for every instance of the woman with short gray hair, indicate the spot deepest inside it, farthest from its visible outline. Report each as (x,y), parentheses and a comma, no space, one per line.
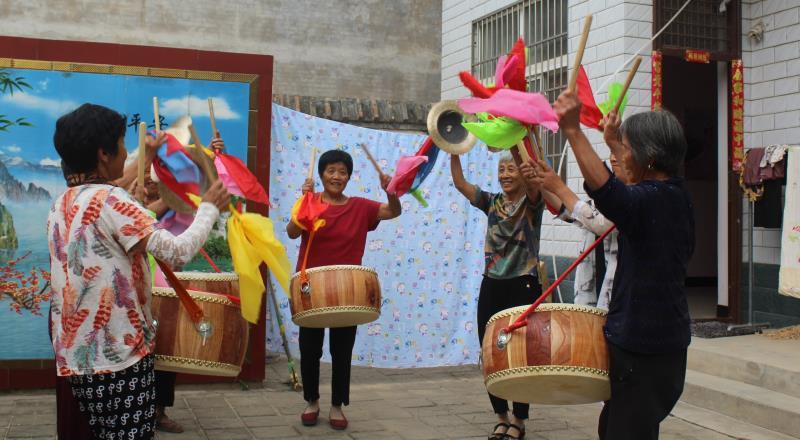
(647,328)
(511,251)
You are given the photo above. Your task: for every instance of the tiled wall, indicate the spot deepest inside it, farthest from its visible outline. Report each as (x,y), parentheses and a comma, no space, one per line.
(619,29)
(772,95)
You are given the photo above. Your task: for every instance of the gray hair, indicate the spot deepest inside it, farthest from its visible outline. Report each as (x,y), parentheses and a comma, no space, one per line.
(656,140)
(506,157)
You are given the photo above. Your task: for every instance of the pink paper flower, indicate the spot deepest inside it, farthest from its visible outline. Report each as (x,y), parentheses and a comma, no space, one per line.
(526,108)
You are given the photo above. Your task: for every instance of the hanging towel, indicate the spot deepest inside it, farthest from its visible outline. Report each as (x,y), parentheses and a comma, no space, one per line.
(789,279)
(759,165)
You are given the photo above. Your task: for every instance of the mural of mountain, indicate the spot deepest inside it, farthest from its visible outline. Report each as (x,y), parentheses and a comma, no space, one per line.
(12,189)
(20,163)
(8,236)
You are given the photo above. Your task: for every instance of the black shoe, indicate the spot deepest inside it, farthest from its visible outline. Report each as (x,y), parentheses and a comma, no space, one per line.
(521,432)
(498,435)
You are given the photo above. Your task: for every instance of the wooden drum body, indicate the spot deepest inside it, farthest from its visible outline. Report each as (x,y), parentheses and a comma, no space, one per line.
(226,283)
(559,358)
(180,347)
(337,296)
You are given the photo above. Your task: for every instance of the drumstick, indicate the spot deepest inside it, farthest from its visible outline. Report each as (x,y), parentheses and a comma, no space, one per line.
(523,152)
(537,142)
(141,159)
(573,79)
(628,80)
(372,159)
(214,132)
(200,157)
(156,119)
(311,163)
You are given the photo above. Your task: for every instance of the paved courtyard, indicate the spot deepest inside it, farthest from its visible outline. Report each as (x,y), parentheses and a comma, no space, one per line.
(409,404)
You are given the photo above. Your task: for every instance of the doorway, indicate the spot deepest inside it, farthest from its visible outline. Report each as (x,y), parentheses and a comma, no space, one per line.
(690,93)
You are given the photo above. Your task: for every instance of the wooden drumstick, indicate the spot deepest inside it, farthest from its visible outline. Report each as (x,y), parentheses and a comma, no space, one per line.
(200,157)
(628,81)
(141,158)
(214,132)
(523,152)
(372,159)
(537,142)
(573,79)
(156,118)
(311,163)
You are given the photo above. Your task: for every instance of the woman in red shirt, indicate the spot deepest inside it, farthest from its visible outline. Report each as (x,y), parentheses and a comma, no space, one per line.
(341,241)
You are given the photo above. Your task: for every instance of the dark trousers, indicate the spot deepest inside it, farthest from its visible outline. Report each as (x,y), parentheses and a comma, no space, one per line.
(119,405)
(341,344)
(497,295)
(165,388)
(71,423)
(644,389)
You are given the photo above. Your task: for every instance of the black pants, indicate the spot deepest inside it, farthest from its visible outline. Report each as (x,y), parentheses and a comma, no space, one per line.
(644,389)
(71,423)
(119,405)
(497,295)
(165,388)
(341,344)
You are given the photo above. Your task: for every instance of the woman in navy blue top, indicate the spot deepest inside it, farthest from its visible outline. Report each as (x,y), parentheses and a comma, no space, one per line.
(648,319)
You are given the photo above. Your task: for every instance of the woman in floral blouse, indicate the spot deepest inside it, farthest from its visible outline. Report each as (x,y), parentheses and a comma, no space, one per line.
(101,323)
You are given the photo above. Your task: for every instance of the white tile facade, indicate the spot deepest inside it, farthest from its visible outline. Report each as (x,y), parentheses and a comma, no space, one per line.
(772,96)
(619,29)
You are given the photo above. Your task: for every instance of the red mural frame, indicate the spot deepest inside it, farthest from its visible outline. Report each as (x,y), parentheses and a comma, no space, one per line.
(40,373)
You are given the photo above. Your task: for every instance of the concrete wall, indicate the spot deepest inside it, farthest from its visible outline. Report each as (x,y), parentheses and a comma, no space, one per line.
(772,95)
(345,48)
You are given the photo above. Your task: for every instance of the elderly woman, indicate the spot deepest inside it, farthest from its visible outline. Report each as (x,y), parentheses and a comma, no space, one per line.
(341,241)
(648,320)
(101,323)
(511,251)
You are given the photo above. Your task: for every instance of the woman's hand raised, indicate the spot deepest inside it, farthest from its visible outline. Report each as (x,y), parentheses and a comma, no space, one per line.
(568,109)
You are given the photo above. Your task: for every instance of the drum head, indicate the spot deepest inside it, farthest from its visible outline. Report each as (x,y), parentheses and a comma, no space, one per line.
(332,317)
(570,386)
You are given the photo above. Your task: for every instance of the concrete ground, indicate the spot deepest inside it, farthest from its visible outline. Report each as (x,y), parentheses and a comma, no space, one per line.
(409,404)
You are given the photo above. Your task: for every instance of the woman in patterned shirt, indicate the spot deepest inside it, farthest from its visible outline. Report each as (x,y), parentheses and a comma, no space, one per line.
(101,323)
(511,251)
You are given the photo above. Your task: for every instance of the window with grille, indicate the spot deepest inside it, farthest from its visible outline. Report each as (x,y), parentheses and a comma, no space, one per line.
(701,26)
(543,25)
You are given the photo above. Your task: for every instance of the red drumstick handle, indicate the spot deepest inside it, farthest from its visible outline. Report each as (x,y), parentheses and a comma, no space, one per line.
(195,312)
(521,320)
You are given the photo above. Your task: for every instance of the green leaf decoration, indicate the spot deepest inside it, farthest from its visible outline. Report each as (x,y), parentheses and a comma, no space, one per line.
(502,132)
(418,195)
(614,92)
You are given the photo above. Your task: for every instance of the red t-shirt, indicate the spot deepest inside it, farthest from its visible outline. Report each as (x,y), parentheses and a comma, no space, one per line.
(344,236)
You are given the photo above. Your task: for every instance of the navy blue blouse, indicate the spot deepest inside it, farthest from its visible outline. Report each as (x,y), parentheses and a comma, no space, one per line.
(648,312)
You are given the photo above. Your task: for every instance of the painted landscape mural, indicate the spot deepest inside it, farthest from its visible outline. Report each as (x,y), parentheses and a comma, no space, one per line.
(30,172)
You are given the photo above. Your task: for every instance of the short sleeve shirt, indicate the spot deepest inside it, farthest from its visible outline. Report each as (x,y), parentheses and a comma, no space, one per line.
(343,238)
(512,235)
(100,310)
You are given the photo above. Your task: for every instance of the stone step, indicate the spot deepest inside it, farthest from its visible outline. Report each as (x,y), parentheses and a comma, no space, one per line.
(754,360)
(747,403)
(723,424)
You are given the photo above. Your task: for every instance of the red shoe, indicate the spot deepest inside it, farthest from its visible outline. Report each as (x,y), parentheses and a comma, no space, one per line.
(338,424)
(309,419)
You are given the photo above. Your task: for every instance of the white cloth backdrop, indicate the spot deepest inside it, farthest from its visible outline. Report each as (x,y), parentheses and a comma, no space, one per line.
(429,261)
